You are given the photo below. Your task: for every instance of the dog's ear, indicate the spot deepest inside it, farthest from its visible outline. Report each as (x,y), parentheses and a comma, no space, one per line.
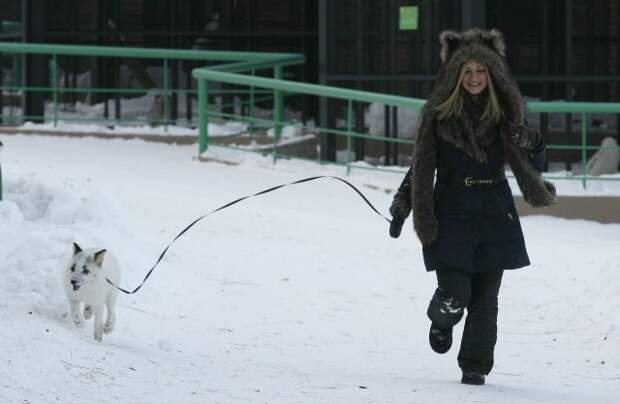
(99,257)
(76,249)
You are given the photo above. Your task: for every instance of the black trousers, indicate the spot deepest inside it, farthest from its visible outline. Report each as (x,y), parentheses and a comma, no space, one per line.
(477,293)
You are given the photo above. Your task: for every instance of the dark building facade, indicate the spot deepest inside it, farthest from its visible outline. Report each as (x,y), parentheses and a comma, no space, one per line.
(557,49)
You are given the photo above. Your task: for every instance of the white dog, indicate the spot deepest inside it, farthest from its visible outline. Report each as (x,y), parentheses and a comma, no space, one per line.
(85,282)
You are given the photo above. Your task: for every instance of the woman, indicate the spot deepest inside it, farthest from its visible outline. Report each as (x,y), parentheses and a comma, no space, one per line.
(467,223)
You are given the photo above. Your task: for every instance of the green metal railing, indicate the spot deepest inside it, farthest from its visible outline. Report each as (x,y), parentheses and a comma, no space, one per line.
(226,67)
(583,109)
(205,75)
(229,61)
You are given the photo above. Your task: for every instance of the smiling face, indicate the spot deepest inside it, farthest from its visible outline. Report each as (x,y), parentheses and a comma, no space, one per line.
(474,77)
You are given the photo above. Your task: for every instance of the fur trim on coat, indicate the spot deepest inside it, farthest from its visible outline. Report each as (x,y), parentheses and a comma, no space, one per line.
(487,47)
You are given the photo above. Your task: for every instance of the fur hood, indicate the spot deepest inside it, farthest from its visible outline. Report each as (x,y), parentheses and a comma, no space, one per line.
(488,48)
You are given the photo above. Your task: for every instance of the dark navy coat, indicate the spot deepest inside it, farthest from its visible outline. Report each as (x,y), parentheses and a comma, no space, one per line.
(479,228)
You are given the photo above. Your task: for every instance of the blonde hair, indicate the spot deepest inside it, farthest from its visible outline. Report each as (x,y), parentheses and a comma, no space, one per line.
(453,106)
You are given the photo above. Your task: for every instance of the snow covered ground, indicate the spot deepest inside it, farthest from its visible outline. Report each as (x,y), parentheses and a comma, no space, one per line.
(298,296)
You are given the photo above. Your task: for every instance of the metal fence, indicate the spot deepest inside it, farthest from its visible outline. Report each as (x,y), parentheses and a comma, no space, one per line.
(351,97)
(261,100)
(15,57)
(63,82)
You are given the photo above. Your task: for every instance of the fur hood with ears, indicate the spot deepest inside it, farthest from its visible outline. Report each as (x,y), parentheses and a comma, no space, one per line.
(488,48)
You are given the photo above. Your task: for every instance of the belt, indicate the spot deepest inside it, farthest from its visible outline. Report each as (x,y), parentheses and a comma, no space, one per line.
(457,180)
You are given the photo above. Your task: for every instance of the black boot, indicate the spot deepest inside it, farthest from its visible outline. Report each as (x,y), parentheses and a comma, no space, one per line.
(440,338)
(475,378)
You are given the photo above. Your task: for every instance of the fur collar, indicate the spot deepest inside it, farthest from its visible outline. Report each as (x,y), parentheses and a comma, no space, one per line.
(469,132)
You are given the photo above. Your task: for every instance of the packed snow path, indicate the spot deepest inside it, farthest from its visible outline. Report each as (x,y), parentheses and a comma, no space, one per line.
(299,296)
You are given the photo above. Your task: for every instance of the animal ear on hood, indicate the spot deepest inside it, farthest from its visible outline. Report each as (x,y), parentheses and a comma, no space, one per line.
(494,40)
(76,249)
(450,41)
(99,257)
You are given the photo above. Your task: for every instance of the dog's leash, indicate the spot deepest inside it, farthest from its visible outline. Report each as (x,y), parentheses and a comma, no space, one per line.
(163,253)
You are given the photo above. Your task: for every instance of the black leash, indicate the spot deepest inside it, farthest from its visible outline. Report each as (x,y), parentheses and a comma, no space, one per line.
(161,256)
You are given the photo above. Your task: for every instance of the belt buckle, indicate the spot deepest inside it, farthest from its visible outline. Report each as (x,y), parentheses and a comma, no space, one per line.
(469,181)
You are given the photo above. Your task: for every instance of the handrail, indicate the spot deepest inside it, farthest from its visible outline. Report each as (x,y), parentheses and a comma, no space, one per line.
(259,64)
(574,107)
(131,52)
(305,88)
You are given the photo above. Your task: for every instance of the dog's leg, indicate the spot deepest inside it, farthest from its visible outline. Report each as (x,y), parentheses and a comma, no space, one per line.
(98,322)
(75,313)
(110,304)
(88,311)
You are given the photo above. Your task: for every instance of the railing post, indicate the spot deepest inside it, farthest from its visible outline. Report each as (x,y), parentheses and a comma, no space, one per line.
(349,127)
(165,95)
(203,117)
(15,82)
(252,110)
(55,87)
(584,156)
(23,87)
(278,110)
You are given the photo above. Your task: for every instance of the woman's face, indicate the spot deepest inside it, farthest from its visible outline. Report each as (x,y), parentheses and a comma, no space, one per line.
(475,77)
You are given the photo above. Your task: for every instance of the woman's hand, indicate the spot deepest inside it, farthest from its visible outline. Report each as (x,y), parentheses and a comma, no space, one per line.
(400,209)
(526,138)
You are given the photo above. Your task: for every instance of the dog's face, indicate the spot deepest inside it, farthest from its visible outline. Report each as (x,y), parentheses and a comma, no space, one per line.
(84,267)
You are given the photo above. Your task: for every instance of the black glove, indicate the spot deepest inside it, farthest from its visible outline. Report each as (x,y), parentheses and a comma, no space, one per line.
(526,138)
(400,209)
